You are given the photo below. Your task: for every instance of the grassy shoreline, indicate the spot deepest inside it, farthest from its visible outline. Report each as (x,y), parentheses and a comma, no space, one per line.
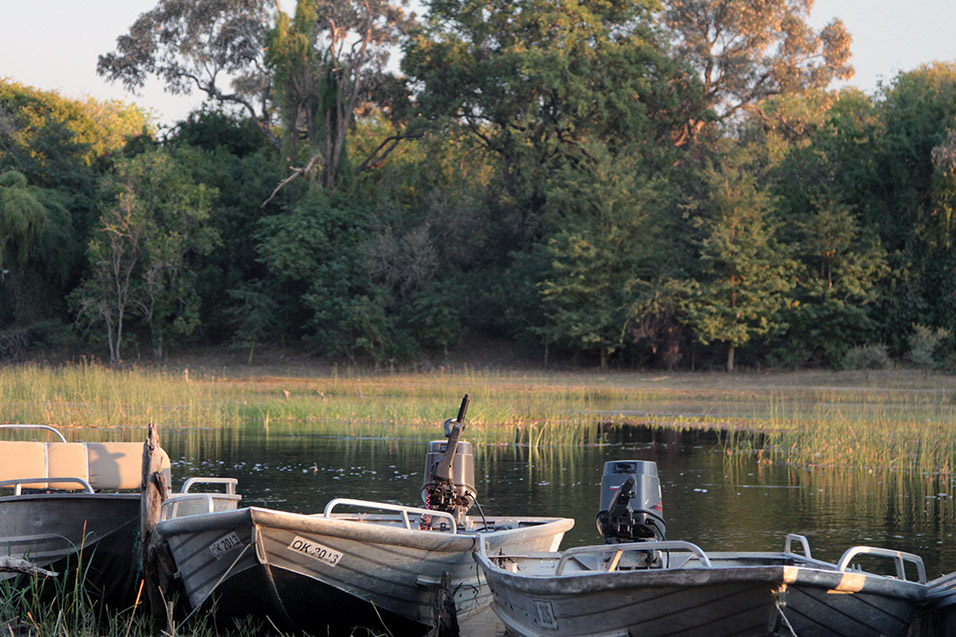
(899,419)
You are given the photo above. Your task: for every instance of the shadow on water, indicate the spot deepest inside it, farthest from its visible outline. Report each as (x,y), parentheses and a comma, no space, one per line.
(719,500)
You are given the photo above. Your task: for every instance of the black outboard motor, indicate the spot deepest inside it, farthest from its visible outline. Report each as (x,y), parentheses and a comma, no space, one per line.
(450,471)
(631,505)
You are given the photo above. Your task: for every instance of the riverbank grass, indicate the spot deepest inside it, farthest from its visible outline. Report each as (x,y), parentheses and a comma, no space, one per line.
(894,420)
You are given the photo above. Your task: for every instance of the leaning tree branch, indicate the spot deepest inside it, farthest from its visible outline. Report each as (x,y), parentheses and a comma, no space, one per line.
(214,93)
(296,173)
(383,150)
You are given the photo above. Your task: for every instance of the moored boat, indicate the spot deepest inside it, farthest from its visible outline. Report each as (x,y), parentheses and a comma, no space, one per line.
(639,583)
(585,591)
(582,591)
(333,572)
(69,504)
(358,564)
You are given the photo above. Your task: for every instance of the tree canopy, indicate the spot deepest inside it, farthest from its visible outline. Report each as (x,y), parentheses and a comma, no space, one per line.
(621,182)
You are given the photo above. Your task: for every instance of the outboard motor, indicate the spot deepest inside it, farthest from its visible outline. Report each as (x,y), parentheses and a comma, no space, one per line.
(450,471)
(631,504)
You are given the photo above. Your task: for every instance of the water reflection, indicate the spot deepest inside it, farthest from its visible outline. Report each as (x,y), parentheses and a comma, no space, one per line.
(719,501)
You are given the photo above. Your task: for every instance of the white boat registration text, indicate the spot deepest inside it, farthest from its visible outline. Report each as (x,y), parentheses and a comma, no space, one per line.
(315,550)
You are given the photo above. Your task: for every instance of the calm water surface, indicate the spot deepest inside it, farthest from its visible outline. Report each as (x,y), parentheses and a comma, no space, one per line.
(716,500)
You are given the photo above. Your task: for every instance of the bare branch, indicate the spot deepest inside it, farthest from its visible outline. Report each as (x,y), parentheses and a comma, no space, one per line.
(383,150)
(296,173)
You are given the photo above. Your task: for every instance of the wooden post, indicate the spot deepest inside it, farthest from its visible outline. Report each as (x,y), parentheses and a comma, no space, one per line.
(443,608)
(154,489)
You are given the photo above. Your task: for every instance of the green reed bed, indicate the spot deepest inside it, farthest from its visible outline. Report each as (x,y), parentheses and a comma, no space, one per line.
(902,421)
(506,408)
(34,606)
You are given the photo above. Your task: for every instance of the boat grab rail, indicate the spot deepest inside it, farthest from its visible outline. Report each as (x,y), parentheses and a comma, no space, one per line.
(18,483)
(398,508)
(175,500)
(804,543)
(899,557)
(620,549)
(229,482)
(44,427)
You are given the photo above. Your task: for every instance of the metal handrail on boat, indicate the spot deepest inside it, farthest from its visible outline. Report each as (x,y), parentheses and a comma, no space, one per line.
(229,482)
(398,508)
(44,427)
(791,537)
(620,549)
(899,557)
(18,483)
(175,500)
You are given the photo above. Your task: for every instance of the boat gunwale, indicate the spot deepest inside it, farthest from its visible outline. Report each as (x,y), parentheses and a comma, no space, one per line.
(380,529)
(547,583)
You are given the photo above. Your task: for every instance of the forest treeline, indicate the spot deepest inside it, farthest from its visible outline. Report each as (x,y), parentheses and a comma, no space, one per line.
(616,182)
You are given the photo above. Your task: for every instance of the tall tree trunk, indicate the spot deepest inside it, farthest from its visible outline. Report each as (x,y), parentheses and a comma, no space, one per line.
(730,358)
(159,350)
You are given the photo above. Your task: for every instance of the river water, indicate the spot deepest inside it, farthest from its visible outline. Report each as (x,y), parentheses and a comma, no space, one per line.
(716,499)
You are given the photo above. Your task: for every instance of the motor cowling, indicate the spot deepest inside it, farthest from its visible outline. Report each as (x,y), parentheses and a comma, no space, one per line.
(631,503)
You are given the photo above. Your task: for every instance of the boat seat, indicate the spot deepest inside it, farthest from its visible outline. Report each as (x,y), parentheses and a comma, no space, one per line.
(104,465)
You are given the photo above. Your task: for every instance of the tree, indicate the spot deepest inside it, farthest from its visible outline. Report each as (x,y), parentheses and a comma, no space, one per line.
(60,146)
(88,129)
(611,242)
(329,66)
(314,250)
(942,232)
(254,315)
(917,110)
(234,158)
(153,219)
(746,274)
(840,267)
(104,296)
(907,197)
(356,286)
(812,150)
(533,82)
(198,45)
(37,248)
(318,70)
(746,51)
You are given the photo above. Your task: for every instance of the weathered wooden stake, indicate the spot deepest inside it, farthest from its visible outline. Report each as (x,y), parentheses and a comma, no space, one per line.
(443,606)
(19,565)
(154,490)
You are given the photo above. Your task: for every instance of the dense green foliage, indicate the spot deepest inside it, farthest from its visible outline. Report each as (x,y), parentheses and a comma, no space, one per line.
(589,180)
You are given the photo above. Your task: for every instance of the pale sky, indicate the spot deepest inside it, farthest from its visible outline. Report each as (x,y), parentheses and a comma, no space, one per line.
(54,44)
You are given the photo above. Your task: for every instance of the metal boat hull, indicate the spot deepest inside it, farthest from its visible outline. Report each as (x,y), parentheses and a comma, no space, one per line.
(820,600)
(824,603)
(330,575)
(60,530)
(937,615)
(648,603)
(736,594)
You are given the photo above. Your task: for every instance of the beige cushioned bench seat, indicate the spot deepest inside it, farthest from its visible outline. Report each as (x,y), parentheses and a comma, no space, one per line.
(105,465)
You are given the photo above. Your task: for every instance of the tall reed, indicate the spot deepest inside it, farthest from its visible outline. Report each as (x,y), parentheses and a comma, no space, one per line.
(900,422)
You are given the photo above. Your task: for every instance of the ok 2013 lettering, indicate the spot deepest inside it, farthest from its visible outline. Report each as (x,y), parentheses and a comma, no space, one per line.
(305,547)
(315,550)
(223,544)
